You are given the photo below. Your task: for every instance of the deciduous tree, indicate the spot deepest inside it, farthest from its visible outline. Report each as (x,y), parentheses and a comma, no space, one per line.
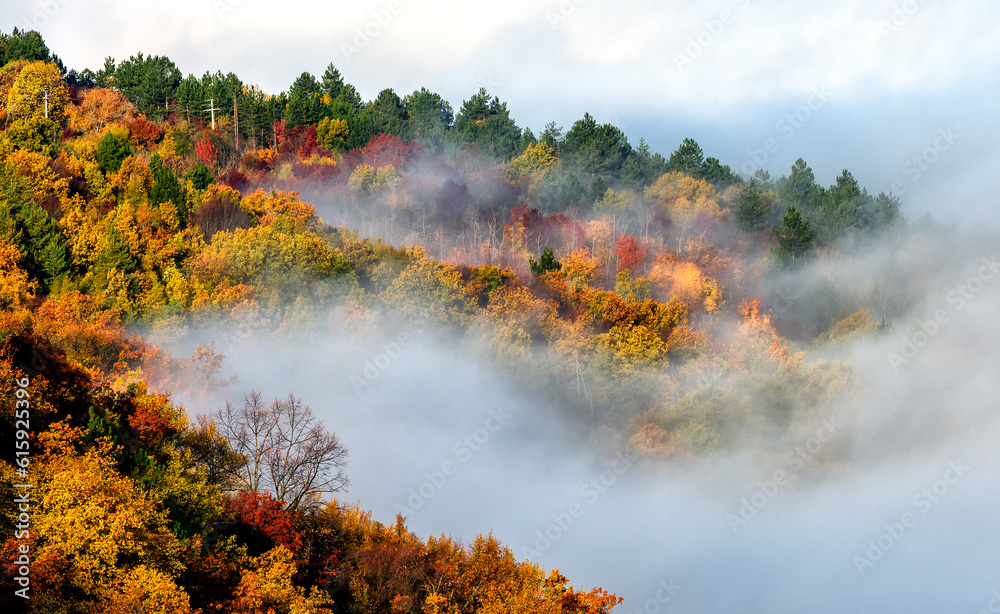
(287,449)
(38,91)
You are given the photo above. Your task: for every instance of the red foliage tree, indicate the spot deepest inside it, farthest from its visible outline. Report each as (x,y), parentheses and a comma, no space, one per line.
(153,419)
(235,179)
(263,519)
(210,578)
(526,216)
(278,132)
(631,254)
(387,149)
(300,141)
(205,150)
(143,132)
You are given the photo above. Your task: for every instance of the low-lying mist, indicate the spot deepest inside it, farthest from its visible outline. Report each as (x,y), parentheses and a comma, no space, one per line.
(883,501)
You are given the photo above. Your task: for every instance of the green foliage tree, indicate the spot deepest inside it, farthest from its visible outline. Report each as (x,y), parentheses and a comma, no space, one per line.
(597,149)
(718,174)
(430,118)
(349,97)
(688,158)
(23,45)
(885,211)
(190,96)
(561,188)
(794,237)
(528,138)
(545,263)
(116,255)
(598,188)
(26,225)
(305,85)
(642,167)
(799,189)
(200,176)
(845,209)
(389,115)
(305,102)
(486,123)
(150,82)
(166,186)
(221,89)
(553,135)
(112,150)
(361,128)
(752,209)
(35,134)
(331,83)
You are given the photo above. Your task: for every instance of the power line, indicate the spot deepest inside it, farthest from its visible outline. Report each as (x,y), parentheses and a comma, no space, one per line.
(213,109)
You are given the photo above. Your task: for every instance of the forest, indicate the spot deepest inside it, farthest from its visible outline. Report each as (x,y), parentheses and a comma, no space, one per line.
(655,302)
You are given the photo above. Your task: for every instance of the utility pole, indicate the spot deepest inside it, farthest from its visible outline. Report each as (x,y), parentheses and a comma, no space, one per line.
(211,107)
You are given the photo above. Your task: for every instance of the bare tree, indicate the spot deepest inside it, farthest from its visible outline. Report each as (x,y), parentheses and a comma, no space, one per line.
(286,449)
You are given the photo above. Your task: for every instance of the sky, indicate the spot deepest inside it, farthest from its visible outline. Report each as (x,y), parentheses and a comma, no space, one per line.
(869,86)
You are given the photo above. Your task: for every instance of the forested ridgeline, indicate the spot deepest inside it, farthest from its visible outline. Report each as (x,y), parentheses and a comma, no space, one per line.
(639,292)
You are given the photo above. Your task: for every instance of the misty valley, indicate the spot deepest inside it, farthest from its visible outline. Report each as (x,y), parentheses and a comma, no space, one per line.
(304,352)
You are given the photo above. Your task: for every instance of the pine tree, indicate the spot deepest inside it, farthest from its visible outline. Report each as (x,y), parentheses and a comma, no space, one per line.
(166,186)
(547,262)
(200,176)
(112,151)
(752,209)
(332,83)
(794,237)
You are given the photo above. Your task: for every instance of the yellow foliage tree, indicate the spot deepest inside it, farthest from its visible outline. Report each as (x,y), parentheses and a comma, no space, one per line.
(81,226)
(684,198)
(579,268)
(38,91)
(266,586)
(147,590)
(362,179)
(45,183)
(133,180)
(332,134)
(366,179)
(535,161)
(285,211)
(101,523)
(517,318)
(632,346)
(8,73)
(16,288)
(277,265)
(386,179)
(428,290)
(615,202)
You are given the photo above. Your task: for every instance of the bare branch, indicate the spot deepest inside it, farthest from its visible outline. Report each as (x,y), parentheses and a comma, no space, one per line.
(286,448)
